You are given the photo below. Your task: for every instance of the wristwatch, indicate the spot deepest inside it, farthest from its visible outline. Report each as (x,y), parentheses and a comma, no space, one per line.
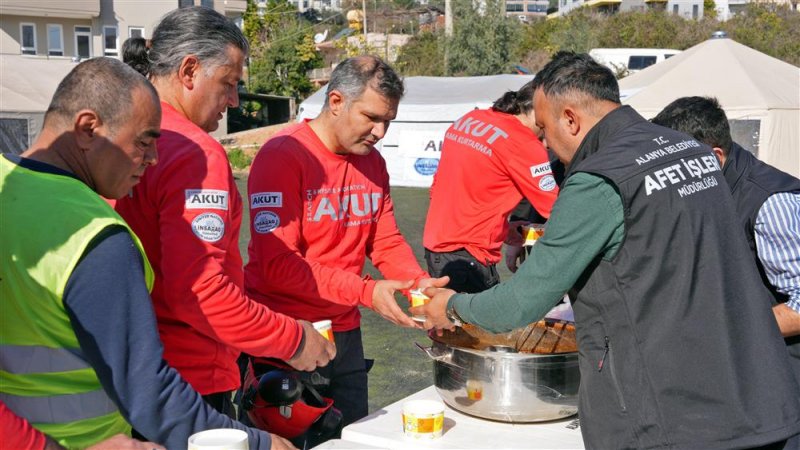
(453,316)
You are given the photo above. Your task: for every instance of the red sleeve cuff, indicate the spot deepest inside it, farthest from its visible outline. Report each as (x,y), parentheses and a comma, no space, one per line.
(366,294)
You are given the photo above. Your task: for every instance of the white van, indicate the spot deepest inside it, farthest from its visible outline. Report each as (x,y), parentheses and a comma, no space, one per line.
(629,60)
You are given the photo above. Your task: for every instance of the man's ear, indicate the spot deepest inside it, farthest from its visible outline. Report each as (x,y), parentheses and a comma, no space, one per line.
(720,155)
(571,120)
(187,71)
(336,102)
(85,126)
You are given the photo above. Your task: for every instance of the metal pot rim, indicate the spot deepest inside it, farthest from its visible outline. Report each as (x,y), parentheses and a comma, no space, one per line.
(503,355)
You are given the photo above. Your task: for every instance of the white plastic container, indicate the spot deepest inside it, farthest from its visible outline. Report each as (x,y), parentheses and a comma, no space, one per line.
(423,419)
(219,439)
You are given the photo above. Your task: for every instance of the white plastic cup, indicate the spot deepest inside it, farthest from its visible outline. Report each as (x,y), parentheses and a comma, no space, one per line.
(325,329)
(219,439)
(423,419)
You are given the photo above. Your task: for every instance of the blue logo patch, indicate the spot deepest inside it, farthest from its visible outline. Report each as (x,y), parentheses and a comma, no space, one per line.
(426,166)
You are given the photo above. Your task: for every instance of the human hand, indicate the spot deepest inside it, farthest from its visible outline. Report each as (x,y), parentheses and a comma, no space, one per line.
(316,352)
(122,442)
(383,302)
(513,254)
(279,443)
(433,282)
(435,311)
(514,237)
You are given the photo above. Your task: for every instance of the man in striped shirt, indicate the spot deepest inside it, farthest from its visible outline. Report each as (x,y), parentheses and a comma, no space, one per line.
(767,202)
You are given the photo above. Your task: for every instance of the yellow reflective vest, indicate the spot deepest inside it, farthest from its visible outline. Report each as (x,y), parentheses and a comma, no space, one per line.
(46,223)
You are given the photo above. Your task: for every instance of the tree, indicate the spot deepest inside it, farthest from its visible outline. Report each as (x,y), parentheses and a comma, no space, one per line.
(282,50)
(769,28)
(422,55)
(653,29)
(709,9)
(484,41)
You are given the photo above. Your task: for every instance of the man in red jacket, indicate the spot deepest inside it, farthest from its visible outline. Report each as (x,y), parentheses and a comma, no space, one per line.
(319,206)
(187,212)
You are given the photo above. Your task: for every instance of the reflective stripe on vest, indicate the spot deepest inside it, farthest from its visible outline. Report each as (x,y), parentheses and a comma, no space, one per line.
(23,359)
(60,408)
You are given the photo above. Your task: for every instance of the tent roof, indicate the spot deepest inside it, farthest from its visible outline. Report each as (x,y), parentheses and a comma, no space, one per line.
(438,98)
(27,83)
(738,76)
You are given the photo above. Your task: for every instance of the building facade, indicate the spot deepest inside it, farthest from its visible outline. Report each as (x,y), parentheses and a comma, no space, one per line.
(688,9)
(526,10)
(87,28)
(40,40)
(303,5)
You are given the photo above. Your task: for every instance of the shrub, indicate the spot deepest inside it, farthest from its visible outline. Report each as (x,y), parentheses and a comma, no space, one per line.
(238,159)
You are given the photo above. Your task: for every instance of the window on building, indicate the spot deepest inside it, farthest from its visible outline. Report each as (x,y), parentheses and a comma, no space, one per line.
(695,11)
(27,40)
(55,40)
(207,3)
(513,7)
(185,3)
(675,9)
(540,8)
(83,42)
(110,47)
(135,32)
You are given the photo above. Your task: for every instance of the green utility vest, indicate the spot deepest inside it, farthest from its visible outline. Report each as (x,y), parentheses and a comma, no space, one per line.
(46,224)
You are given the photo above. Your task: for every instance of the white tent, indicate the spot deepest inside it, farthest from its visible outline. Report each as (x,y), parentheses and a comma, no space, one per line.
(760,95)
(26,86)
(413,143)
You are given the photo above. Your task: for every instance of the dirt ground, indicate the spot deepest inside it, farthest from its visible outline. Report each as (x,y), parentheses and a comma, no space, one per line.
(251,140)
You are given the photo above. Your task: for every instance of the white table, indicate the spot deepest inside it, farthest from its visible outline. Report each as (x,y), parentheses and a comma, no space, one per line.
(384,429)
(341,444)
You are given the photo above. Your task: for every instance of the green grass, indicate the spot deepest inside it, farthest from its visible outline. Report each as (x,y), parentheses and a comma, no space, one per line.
(400,367)
(239,159)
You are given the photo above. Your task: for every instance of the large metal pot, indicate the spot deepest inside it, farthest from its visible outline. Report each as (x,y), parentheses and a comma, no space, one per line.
(500,384)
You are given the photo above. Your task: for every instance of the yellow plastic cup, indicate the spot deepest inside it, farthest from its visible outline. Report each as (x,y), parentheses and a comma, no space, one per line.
(532,233)
(419,299)
(325,329)
(474,390)
(423,419)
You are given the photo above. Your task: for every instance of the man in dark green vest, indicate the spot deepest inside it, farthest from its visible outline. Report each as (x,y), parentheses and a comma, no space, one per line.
(678,345)
(80,357)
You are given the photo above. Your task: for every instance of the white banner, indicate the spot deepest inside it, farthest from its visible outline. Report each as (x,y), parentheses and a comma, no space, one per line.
(411,151)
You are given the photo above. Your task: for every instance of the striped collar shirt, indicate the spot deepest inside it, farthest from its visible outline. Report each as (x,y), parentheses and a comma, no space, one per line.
(777,233)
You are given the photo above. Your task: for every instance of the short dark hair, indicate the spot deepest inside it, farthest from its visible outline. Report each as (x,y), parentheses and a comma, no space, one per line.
(352,76)
(104,85)
(195,30)
(516,102)
(701,117)
(570,72)
(134,54)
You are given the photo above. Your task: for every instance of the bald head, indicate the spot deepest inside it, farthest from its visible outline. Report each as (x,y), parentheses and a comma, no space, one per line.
(103,85)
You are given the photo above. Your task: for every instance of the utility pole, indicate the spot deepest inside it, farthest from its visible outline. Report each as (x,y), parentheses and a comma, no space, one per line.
(448,34)
(364,8)
(448,18)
